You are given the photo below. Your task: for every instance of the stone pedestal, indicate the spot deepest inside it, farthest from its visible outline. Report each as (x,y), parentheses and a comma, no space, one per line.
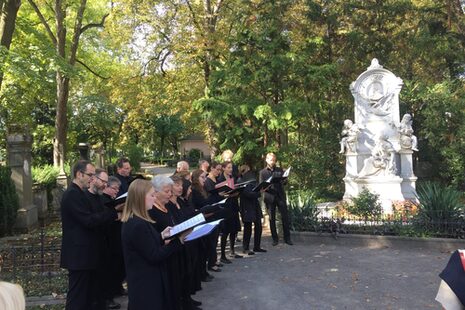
(99,157)
(19,145)
(388,189)
(407,175)
(83,151)
(40,200)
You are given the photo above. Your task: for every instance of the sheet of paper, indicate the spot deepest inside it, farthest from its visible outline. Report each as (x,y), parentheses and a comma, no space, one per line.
(122,196)
(286,173)
(193,221)
(202,230)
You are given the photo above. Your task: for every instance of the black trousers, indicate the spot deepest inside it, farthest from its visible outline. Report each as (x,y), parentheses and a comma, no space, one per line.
(213,242)
(257,234)
(84,291)
(282,207)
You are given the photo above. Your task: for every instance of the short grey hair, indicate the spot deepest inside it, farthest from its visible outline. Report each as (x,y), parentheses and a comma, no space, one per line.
(113,180)
(182,164)
(161,181)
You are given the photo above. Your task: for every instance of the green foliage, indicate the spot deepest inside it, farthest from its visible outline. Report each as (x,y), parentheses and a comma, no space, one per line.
(45,175)
(9,202)
(303,212)
(366,205)
(264,76)
(439,204)
(168,128)
(135,154)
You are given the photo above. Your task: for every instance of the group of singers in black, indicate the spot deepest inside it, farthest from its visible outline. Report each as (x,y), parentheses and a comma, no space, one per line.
(105,242)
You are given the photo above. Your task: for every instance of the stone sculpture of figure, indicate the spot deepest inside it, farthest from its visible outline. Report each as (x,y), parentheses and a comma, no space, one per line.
(407,139)
(381,161)
(349,134)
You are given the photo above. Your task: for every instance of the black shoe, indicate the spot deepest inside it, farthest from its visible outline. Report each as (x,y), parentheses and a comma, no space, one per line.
(289,242)
(214,269)
(219,265)
(224,260)
(275,242)
(207,279)
(111,304)
(234,255)
(195,302)
(259,250)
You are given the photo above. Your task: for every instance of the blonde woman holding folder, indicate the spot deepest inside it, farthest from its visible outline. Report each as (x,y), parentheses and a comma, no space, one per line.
(146,251)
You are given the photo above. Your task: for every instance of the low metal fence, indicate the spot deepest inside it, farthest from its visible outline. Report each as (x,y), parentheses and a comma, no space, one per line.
(413,225)
(34,263)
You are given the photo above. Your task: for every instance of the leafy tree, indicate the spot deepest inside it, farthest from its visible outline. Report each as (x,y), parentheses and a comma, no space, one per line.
(66,49)
(168,128)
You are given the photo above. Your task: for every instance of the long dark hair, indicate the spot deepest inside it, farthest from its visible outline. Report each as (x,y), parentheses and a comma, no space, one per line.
(196,183)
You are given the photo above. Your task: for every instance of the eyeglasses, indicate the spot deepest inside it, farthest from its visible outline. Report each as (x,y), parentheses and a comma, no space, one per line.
(103,181)
(88,174)
(114,188)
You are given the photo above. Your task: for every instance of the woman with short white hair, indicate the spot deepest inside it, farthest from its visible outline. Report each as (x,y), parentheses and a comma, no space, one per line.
(166,214)
(11,296)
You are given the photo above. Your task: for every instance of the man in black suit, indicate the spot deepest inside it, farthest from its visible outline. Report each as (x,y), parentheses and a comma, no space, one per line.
(123,173)
(274,197)
(82,239)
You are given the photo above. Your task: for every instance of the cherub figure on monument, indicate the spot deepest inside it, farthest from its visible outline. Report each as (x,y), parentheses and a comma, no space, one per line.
(349,135)
(381,161)
(407,139)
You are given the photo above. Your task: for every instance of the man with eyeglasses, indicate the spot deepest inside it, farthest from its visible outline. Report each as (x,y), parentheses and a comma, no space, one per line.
(82,240)
(95,196)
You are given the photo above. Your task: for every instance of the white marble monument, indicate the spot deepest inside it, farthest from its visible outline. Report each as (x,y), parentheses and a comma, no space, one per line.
(378,146)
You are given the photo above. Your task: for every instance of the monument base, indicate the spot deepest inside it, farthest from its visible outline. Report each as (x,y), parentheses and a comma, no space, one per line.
(27,219)
(388,189)
(408,189)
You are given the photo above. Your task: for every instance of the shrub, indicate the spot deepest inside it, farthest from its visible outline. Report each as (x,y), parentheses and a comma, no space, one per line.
(45,175)
(9,201)
(303,212)
(194,155)
(366,205)
(439,204)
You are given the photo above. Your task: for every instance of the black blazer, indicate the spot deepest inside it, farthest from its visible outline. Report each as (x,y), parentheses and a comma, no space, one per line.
(145,257)
(82,230)
(249,204)
(276,190)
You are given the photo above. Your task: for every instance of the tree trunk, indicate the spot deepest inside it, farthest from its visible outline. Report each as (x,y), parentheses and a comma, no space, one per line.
(9,11)
(61,121)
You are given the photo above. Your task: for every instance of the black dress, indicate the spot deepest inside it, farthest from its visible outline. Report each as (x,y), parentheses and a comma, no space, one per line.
(176,263)
(115,265)
(193,270)
(233,223)
(145,256)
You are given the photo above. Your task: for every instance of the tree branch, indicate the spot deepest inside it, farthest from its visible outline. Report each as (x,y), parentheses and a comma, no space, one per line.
(90,70)
(44,22)
(194,17)
(95,25)
(77,32)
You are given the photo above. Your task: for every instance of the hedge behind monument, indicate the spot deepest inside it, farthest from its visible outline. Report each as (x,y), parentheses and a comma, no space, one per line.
(9,202)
